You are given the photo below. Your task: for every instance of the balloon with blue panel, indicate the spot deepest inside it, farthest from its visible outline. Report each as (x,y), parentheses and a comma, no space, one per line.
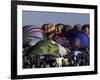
(80,38)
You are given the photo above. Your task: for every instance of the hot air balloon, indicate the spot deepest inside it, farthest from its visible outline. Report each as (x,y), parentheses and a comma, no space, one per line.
(49,30)
(45,47)
(86,28)
(59,28)
(80,38)
(31,35)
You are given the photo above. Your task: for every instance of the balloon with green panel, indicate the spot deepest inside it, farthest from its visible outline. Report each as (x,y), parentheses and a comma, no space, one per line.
(44,47)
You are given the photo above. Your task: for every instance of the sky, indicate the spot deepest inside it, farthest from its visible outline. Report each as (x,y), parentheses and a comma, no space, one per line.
(38,18)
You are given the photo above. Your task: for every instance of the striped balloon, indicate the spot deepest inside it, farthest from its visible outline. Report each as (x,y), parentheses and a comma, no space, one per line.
(30,33)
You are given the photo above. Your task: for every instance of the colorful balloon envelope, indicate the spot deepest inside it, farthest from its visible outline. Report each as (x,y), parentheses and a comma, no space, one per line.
(31,34)
(80,38)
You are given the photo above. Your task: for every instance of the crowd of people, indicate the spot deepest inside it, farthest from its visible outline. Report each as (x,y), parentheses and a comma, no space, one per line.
(74,39)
